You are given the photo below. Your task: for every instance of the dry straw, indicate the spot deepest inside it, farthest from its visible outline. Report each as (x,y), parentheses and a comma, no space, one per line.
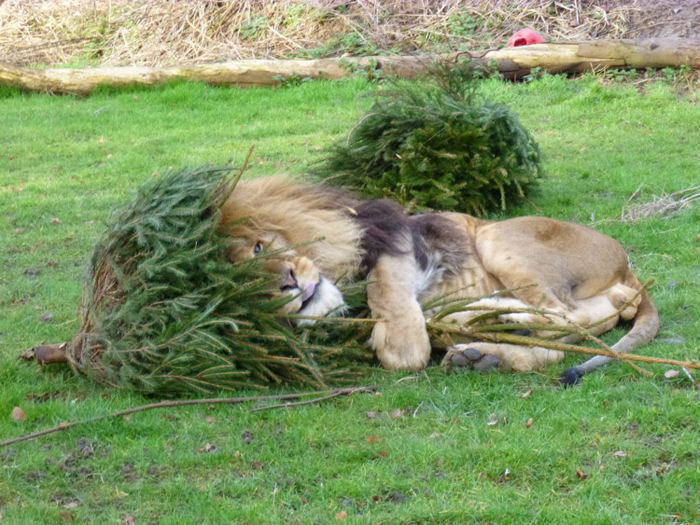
(157,33)
(664,206)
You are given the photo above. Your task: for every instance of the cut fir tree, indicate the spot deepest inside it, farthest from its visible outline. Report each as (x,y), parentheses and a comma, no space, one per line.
(165,313)
(434,143)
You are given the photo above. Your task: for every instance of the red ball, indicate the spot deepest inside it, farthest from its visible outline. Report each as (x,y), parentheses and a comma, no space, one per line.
(524,37)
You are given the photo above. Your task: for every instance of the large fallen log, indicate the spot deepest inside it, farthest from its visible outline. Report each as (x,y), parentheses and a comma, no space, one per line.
(512,63)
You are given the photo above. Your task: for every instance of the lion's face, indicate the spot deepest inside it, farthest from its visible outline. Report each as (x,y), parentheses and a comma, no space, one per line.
(303,233)
(310,294)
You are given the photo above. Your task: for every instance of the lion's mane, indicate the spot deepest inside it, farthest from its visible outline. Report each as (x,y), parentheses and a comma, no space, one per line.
(316,220)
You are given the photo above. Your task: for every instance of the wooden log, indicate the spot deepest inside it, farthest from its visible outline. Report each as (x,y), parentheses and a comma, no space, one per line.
(512,63)
(577,57)
(47,354)
(242,73)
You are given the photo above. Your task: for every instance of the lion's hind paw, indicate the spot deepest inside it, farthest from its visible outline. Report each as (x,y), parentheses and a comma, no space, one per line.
(463,356)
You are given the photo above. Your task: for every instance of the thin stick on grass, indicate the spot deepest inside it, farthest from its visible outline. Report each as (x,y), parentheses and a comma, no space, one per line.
(333,394)
(186,402)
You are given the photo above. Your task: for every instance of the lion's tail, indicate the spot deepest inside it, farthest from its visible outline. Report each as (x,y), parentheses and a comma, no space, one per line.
(646,325)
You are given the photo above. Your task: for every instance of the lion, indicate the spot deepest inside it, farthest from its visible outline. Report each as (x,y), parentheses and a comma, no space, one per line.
(319,237)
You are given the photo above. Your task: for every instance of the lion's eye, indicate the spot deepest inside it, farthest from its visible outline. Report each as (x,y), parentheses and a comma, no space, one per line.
(257,249)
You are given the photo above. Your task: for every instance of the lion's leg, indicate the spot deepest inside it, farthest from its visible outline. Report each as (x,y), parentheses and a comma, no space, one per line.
(400,338)
(510,357)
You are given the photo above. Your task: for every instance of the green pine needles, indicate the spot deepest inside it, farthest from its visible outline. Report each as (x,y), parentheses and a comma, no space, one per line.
(433,143)
(165,313)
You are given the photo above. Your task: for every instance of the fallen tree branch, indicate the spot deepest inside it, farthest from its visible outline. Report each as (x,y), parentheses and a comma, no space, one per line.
(186,402)
(496,337)
(333,394)
(511,63)
(475,330)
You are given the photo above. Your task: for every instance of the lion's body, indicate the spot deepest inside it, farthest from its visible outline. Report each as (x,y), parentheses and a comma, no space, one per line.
(324,236)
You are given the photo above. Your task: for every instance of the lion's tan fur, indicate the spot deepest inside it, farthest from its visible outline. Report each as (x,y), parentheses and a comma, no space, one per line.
(301,215)
(579,273)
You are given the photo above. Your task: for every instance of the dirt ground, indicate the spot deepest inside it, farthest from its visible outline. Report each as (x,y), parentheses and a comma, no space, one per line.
(157,33)
(664,18)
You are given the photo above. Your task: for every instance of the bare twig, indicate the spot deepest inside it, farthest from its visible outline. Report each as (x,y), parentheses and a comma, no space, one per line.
(695,382)
(497,337)
(335,393)
(186,402)
(243,168)
(477,331)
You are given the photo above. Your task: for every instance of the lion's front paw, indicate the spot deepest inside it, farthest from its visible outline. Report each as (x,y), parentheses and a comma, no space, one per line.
(401,346)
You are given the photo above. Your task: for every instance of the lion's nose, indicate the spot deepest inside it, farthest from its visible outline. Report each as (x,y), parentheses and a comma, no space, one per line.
(289,282)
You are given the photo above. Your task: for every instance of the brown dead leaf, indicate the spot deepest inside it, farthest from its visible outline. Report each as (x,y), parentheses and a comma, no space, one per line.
(55,220)
(526,394)
(372,439)
(670,374)
(128,520)
(371,415)
(101,140)
(18,414)
(580,474)
(208,448)
(396,413)
(340,516)
(529,423)
(620,454)
(382,453)
(435,435)
(210,419)
(67,516)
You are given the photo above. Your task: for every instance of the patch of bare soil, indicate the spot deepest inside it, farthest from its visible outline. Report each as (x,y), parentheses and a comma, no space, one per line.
(664,19)
(157,33)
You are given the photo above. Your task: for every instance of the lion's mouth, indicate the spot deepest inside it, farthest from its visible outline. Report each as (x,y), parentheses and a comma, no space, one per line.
(319,299)
(307,295)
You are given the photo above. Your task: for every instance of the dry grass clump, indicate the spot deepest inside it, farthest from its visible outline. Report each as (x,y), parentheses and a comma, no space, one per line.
(156,33)
(664,206)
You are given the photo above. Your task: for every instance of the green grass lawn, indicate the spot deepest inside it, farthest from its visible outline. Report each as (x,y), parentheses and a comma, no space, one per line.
(619,448)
